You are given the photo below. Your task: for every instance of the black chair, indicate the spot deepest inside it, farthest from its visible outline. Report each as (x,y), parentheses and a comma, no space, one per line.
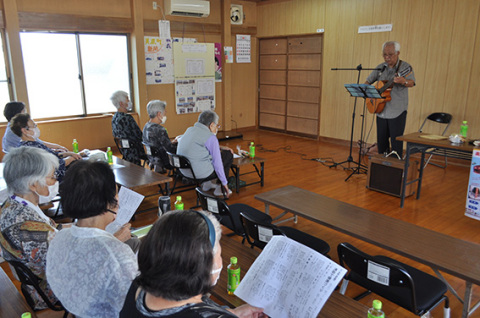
(179,162)
(229,216)
(27,278)
(399,283)
(159,155)
(443,119)
(123,143)
(259,233)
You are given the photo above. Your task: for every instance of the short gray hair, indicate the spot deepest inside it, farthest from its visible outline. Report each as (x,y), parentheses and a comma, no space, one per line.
(156,106)
(207,117)
(218,229)
(24,166)
(118,97)
(395,44)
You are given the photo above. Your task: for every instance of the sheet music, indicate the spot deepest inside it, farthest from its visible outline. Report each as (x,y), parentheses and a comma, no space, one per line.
(289,279)
(129,201)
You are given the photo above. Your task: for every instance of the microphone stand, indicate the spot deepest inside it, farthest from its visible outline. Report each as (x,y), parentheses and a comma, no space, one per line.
(360,167)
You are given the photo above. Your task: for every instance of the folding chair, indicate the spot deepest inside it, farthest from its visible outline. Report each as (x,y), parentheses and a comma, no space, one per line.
(399,283)
(27,278)
(154,155)
(229,216)
(179,162)
(123,144)
(259,233)
(442,119)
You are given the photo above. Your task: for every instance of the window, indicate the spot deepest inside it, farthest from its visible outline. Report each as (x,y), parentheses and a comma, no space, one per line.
(73,74)
(4,87)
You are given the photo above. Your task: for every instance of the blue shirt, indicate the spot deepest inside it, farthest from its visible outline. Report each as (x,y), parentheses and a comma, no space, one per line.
(10,140)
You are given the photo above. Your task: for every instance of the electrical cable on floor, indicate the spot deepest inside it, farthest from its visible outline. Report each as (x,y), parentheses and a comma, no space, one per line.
(324,161)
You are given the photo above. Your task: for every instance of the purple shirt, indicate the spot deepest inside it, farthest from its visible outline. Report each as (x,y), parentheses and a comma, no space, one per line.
(213,148)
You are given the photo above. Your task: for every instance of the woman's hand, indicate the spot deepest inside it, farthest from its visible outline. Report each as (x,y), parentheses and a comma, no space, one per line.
(124,233)
(227,148)
(70,154)
(248,311)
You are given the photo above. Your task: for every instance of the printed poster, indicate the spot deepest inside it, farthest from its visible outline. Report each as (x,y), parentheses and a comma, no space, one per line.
(194,95)
(472,208)
(218,62)
(243,48)
(228,54)
(158,60)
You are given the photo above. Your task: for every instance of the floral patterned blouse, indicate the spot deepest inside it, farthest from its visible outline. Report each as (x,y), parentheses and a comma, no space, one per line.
(25,235)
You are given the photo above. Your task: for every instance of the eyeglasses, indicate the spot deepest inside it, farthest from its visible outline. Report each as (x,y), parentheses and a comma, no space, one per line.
(389,55)
(115,206)
(55,175)
(28,127)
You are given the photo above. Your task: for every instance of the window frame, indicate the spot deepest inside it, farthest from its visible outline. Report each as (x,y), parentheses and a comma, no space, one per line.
(81,75)
(8,74)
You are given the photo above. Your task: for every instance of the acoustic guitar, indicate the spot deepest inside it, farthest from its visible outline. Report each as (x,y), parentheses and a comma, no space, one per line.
(384,88)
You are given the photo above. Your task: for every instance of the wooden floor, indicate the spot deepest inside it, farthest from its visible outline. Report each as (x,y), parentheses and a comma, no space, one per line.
(441,207)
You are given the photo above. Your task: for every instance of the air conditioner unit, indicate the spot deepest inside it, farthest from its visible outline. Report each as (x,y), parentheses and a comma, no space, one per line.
(188,8)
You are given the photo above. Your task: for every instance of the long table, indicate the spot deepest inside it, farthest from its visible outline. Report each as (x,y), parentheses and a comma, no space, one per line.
(12,303)
(134,177)
(336,306)
(439,251)
(417,143)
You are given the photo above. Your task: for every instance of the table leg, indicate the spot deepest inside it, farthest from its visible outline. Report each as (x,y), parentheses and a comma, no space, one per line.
(467,299)
(167,188)
(261,174)
(420,175)
(405,174)
(237,179)
(267,208)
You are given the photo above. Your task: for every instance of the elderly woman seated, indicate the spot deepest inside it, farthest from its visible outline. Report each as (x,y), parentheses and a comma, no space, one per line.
(179,262)
(89,269)
(155,135)
(24,127)
(25,231)
(10,140)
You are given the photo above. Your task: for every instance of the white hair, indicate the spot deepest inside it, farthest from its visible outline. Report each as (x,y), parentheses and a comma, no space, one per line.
(394,43)
(218,229)
(207,117)
(156,106)
(119,97)
(25,166)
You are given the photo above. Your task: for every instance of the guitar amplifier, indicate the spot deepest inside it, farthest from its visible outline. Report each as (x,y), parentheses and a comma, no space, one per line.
(386,175)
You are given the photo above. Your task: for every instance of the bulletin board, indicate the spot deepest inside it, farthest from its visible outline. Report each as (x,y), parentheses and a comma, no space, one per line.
(194,77)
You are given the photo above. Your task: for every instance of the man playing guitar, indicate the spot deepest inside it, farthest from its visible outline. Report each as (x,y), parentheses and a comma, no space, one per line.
(391,121)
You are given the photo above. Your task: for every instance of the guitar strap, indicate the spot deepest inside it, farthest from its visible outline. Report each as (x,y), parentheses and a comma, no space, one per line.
(398,67)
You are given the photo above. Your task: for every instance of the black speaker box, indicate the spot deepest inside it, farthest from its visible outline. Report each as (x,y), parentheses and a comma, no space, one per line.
(386,175)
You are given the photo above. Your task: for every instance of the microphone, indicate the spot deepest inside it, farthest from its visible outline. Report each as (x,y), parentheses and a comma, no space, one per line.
(359,67)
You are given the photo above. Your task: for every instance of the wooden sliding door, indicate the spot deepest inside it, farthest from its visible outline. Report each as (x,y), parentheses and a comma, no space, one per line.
(290,84)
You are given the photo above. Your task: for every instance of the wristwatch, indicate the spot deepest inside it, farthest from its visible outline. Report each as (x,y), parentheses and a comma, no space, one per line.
(406,82)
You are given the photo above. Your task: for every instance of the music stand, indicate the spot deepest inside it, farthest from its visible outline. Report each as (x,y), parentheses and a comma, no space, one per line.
(363,91)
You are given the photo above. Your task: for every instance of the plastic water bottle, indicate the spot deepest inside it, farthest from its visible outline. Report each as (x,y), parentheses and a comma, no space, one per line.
(252,150)
(179,204)
(376,310)
(233,271)
(464,129)
(75,146)
(110,156)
